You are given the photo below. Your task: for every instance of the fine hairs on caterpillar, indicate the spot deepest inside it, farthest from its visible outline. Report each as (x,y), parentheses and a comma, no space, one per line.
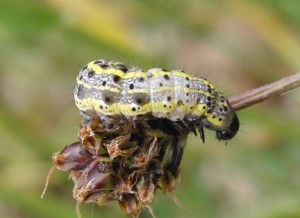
(112,91)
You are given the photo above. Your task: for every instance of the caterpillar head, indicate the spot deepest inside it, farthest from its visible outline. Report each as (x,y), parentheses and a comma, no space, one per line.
(223,120)
(231,131)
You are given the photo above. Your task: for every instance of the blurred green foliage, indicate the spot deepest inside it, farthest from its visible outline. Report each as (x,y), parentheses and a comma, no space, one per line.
(237,45)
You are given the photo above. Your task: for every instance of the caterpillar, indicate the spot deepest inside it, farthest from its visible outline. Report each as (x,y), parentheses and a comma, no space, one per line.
(110,90)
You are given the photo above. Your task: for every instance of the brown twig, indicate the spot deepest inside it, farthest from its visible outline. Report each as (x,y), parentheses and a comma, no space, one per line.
(257,95)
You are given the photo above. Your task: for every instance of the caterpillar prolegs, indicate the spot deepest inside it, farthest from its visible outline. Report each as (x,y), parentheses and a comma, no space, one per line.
(112,91)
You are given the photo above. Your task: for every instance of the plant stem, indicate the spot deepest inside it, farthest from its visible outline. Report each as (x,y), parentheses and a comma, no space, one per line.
(257,95)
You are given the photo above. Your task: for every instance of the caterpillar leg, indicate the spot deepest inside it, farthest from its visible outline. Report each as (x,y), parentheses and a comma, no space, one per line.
(201,132)
(174,157)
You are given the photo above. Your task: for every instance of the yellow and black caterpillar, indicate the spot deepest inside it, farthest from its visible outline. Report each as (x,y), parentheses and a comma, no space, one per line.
(111,91)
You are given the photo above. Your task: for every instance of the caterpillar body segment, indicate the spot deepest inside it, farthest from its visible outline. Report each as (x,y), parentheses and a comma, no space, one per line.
(112,91)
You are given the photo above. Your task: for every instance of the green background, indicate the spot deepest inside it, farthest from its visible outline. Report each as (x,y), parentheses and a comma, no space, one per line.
(237,45)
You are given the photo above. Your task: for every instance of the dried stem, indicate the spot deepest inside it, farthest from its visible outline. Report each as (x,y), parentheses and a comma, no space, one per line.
(47,181)
(257,95)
